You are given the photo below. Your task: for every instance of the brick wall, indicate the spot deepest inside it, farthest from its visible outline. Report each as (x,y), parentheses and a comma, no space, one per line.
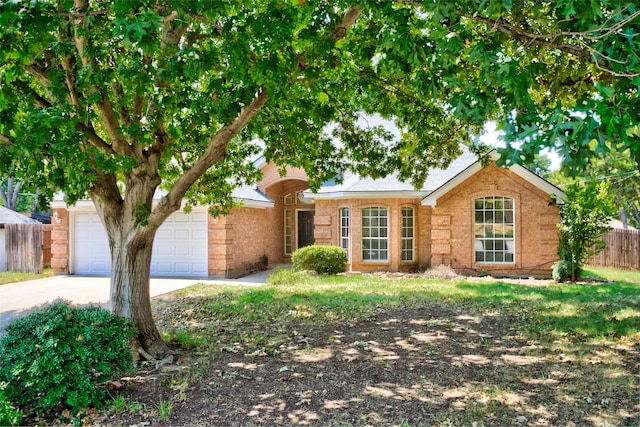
(238,243)
(60,241)
(536,237)
(249,239)
(271,176)
(46,245)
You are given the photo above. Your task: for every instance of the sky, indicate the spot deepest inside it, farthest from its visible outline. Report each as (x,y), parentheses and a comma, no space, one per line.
(491,137)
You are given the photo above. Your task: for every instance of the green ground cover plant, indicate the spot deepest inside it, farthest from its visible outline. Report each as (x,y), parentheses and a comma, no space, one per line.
(59,356)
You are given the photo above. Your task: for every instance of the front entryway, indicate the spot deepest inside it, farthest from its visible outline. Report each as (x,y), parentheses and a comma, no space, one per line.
(305,228)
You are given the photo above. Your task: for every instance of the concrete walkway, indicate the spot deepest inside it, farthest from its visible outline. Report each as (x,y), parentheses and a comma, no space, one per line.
(18,299)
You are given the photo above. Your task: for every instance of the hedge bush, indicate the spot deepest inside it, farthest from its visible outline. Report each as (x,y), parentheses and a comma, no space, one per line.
(59,355)
(9,415)
(323,259)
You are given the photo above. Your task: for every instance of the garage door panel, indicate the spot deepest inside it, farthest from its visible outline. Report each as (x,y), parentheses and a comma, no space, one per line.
(179,249)
(182,234)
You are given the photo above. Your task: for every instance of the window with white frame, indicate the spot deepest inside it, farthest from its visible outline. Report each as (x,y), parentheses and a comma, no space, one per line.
(407,239)
(345,234)
(288,228)
(375,240)
(494,230)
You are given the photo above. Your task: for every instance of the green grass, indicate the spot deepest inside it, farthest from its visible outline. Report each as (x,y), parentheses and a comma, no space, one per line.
(15,276)
(262,317)
(632,276)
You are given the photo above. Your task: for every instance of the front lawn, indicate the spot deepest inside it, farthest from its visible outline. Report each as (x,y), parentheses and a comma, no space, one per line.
(16,276)
(632,276)
(368,350)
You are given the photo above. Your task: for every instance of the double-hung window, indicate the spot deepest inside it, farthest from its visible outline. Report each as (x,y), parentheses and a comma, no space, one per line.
(375,240)
(494,230)
(288,231)
(407,239)
(344,229)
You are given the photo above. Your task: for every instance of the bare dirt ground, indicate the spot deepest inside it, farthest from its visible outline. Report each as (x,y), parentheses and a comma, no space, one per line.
(437,365)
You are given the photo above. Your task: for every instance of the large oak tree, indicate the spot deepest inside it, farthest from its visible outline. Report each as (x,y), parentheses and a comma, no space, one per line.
(119,99)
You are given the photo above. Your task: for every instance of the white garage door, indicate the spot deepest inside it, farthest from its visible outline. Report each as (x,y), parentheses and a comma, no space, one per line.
(179,249)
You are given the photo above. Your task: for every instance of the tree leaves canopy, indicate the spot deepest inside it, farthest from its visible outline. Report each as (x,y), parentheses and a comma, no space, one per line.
(102,89)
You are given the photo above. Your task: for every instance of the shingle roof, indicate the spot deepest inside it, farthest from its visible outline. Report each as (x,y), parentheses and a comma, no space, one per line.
(7,216)
(437,177)
(249,194)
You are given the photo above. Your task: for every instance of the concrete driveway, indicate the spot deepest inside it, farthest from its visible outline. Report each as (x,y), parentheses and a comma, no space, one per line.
(18,299)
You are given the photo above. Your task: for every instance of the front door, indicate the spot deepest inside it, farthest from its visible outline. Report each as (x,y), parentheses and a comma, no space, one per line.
(305,228)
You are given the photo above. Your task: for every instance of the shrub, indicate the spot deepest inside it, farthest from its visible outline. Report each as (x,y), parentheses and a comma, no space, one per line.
(323,259)
(561,271)
(9,415)
(585,216)
(60,355)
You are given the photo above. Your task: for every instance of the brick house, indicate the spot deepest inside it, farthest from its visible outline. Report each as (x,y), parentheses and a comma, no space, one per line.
(474,219)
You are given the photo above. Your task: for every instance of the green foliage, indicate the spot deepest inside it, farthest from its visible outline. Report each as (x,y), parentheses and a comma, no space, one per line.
(98,94)
(59,355)
(9,415)
(585,216)
(561,271)
(323,259)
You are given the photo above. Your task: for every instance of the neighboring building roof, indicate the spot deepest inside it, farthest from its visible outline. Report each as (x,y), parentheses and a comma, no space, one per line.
(616,224)
(7,216)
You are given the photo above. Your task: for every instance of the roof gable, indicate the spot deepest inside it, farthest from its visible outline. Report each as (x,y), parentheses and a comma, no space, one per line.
(432,198)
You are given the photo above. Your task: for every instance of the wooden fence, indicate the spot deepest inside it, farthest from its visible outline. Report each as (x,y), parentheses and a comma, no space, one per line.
(622,250)
(23,244)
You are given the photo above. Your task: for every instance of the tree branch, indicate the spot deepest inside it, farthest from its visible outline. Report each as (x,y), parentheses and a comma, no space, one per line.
(104,107)
(40,74)
(215,152)
(94,139)
(349,18)
(517,33)
(582,50)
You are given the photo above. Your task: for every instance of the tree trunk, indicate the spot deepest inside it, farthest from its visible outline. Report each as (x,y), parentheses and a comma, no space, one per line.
(131,242)
(130,296)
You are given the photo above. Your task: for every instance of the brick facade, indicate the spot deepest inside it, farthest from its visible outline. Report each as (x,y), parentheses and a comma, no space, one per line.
(445,233)
(250,238)
(60,237)
(536,236)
